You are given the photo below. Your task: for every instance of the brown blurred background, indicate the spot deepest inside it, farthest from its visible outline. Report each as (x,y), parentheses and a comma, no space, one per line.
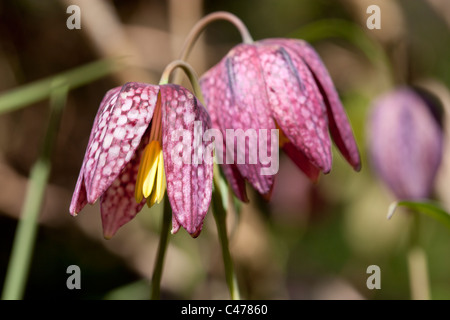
(309,242)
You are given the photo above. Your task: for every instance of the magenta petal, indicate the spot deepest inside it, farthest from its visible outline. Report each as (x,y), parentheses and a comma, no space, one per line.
(79,198)
(296,103)
(340,128)
(120,124)
(188,175)
(234,178)
(235,89)
(405,143)
(117,204)
(301,161)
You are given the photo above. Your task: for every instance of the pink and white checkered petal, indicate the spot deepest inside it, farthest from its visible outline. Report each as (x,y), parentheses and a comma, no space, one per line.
(118,205)
(215,93)
(296,103)
(340,128)
(79,198)
(117,133)
(246,113)
(188,176)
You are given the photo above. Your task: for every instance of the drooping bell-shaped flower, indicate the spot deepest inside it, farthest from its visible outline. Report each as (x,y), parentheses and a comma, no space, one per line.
(405,142)
(134,151)
(278,84)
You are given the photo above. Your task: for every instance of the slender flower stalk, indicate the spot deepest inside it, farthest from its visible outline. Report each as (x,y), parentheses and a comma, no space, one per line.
(220,215)
(162,247)
(205,21)
(198,28)
(417,263)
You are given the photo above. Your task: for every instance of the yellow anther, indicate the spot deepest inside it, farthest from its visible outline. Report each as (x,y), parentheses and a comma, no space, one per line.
(160,188)
(148,169)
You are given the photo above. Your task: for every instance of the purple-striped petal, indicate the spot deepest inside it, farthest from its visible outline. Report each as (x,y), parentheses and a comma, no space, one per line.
(188,175)
(117,204)
(79,198)
(296,103)
(119,127)
(340,128)
(405,143)
(235,89)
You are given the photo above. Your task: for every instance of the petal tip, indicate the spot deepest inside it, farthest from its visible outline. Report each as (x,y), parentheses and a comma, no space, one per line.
(108,236)
(357,167)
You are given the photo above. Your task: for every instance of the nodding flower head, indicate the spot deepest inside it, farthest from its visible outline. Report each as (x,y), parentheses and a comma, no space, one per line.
(283,84)
(405,142)
(129,158)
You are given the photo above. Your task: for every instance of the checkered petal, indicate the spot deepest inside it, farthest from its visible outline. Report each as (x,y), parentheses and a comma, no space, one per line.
(296,103)
(120,124)
(188,175)
(79,198)
(235,89)
(117,204)
(340,128)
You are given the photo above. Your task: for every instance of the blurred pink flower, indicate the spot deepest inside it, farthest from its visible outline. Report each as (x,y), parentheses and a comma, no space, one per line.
(405,143)
(129,157)
(278,83)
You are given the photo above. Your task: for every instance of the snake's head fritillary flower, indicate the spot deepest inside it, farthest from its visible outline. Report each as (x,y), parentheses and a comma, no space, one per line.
(279,84)
(130,157)
(405,142)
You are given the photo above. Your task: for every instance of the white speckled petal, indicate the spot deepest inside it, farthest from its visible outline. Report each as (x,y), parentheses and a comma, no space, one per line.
(235,88)
(117,203)
(189,184)
(340,128)
(120,124)
(296,103)
(79,198)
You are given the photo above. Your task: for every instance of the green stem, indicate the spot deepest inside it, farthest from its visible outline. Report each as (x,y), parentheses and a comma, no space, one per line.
(220,217)
(190,72)
(25,236)
(163,241)
(198,28)
(417,263)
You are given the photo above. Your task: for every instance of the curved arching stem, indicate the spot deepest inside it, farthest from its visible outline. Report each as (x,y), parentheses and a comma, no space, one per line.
(198,28)
(190,72)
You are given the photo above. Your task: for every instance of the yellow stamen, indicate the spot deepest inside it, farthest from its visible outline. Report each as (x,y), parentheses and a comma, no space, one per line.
(160,189)
(148,169)
(151,167)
